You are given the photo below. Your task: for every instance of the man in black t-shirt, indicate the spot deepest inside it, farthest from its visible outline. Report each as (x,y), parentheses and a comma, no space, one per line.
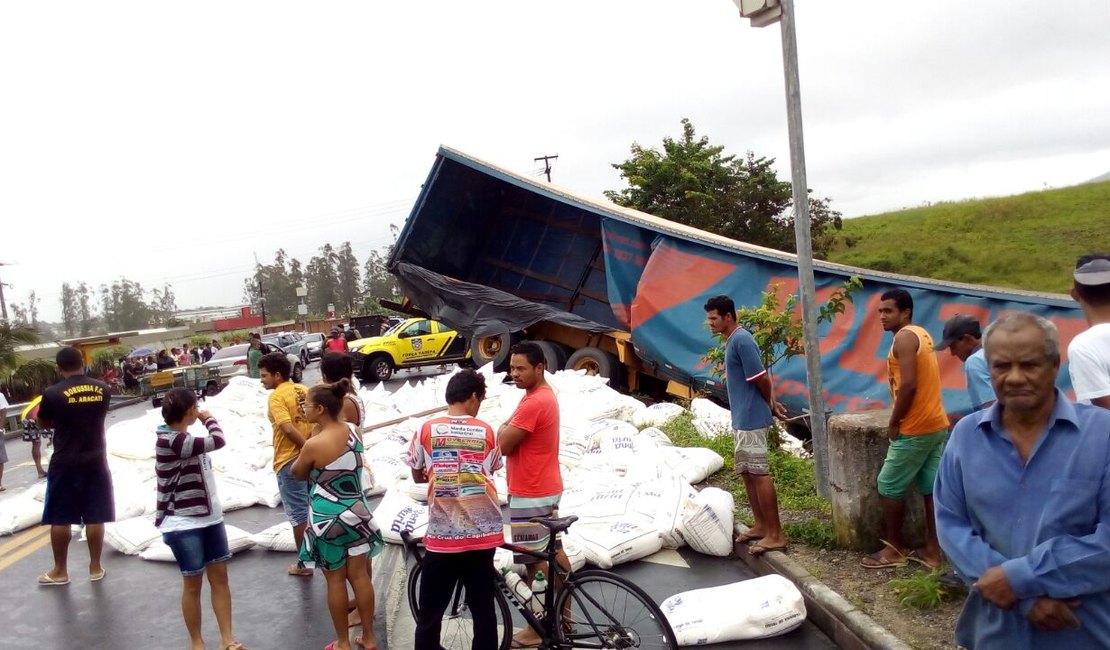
(78,483)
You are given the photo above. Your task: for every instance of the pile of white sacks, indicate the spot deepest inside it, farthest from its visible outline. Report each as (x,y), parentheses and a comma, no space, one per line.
(629,486)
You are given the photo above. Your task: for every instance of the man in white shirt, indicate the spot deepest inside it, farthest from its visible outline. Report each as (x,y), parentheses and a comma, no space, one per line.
(1089,352)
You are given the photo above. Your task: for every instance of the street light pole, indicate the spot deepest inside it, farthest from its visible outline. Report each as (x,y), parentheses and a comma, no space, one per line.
(765,12)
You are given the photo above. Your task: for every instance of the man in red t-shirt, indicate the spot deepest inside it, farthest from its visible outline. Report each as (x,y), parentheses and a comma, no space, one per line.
(530,443)
(457,455)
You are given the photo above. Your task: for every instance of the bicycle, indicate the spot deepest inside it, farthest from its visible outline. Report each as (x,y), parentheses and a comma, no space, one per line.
(578,611)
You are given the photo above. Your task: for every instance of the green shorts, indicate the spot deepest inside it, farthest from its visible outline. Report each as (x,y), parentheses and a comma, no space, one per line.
(911,459)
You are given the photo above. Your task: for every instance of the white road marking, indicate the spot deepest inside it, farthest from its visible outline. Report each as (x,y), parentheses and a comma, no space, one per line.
(668,557)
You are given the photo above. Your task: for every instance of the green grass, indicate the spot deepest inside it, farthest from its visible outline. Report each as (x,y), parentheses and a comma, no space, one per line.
(794,477)
(922,590)
(813,532)
(1029,241)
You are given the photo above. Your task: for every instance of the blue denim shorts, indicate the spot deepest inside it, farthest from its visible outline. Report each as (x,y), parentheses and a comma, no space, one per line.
(197,548)
(294,495)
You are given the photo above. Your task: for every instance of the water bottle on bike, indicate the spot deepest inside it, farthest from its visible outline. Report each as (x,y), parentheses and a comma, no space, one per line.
(517,586)
(539,586)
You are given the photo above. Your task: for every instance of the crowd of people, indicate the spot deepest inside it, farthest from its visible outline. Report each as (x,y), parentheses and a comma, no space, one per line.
(318,462)
(1016,494)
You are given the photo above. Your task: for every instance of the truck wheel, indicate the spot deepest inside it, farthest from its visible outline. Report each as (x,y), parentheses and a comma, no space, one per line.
(491,349)
(596,362)
(554,357)
(380,369)
(298,373)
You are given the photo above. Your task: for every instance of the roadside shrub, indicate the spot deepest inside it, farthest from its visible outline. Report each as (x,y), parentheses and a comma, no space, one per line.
(811,532)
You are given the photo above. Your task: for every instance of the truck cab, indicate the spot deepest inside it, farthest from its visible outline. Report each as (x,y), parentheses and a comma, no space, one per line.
(410,344)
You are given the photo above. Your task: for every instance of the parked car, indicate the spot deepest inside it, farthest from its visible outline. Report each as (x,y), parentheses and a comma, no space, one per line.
(232,361)
(290,342)
(314,343)
(410,344)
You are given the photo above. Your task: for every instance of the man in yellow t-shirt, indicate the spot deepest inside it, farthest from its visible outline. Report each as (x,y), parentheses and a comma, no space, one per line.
(291,429)
(918,430)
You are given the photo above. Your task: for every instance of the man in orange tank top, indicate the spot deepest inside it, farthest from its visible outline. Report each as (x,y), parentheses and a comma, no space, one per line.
(918,430)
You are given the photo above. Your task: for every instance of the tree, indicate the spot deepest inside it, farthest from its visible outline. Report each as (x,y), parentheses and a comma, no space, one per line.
(70,315)
(347,275)
(322,280)
(13,335)
(377,282)
(163,305)
(84,309)
(692,182)
(124,306)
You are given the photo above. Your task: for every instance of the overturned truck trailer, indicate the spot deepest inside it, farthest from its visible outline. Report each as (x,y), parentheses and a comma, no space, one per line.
(501,257)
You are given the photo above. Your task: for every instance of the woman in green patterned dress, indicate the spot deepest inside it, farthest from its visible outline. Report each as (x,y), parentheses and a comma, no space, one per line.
(341,536)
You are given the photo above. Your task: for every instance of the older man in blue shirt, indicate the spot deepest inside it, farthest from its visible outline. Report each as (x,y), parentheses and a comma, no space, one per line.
(1023,503)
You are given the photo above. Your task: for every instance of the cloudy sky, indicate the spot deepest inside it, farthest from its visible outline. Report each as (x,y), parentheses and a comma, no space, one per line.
(171,142)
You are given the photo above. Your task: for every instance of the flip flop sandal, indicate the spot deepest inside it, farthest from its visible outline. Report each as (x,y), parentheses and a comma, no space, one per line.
(759,549)
(97,577)
(46,581)
(876,561)
(914,556)
(235,646)
(745,538)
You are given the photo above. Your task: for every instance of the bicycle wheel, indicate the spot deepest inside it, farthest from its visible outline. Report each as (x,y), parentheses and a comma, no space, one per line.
(457,632)
(599,609)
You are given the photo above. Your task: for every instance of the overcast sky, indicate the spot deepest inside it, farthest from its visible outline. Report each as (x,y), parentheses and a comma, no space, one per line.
(170,142)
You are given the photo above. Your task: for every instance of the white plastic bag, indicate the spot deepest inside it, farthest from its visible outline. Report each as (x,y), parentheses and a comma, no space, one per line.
(751,609)
(707,522)
(610,543)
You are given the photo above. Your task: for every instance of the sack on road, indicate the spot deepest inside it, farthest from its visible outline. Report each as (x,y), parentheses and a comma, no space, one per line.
(751,609)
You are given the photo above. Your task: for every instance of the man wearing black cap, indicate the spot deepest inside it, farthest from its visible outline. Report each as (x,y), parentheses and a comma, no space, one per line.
(963,338)
(1089,352)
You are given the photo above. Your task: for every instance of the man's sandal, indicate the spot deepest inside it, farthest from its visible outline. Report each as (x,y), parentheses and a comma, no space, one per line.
(877,561)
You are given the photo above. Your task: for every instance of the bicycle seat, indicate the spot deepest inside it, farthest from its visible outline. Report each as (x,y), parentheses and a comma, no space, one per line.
(555,525)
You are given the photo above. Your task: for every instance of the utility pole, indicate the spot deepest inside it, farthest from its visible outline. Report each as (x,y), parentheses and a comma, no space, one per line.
(762,13)
(547,164)
(3,305)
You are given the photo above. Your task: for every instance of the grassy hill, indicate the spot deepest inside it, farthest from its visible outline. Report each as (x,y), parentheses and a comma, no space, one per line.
(1029,241)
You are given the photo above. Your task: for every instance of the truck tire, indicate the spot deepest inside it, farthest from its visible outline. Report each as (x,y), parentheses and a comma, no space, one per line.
(491,349)
(554,356)
(377,368)
(597,362)
(298,373)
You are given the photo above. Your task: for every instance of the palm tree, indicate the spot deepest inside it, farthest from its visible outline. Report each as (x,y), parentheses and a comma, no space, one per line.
(11,337)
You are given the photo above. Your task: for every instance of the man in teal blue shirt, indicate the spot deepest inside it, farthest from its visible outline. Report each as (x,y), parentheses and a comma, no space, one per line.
(752,403)
(1023,503)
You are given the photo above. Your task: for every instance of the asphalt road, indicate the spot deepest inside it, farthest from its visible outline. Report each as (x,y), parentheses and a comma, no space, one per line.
(137,604)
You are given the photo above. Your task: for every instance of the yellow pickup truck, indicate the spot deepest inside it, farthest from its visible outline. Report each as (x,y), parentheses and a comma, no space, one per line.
(410,344)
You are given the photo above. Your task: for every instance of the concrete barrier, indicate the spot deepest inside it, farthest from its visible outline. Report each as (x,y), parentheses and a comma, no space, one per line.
(857,447)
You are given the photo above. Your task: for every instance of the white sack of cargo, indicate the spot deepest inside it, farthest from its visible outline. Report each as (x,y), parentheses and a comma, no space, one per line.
(712,428)
(386,462)
(19,511)
(573,549)
(278,537)
(616,445)
(651,437)
(630,407)
(691,464)
(131,536)
(657,415)
(235,493)
(663,502)
(133,439)
(707,522)
(237,540)
(413,490)
(266,488)
(750,609)
(607,502)
(709,410)
(397,512)
(607,544)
